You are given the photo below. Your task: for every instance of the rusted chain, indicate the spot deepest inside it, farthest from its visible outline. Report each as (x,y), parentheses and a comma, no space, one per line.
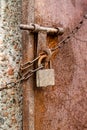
(69,36)
(28,64)
(23,66)
(24,77)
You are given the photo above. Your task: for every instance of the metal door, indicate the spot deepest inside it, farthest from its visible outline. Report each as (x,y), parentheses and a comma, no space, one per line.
(63,106)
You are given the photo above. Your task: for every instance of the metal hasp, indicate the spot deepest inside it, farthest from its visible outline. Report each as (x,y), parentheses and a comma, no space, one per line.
(44,77)
(36,28)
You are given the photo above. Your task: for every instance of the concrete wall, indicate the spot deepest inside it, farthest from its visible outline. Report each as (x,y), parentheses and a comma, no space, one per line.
(10,55)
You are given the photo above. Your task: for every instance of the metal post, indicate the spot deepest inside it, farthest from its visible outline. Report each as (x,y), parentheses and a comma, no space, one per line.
(28,54)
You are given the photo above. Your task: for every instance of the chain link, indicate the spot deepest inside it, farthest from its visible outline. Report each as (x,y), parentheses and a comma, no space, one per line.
(28,64)
(26,76)
(68,37)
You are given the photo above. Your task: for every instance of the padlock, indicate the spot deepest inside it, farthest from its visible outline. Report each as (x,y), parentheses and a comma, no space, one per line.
(45,77)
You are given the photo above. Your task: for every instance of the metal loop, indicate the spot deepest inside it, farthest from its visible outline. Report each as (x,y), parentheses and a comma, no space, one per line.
(40,59)
(36,27)
(28,64)
(60,31)
(48,52)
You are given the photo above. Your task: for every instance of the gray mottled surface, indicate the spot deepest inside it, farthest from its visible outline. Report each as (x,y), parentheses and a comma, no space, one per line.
(10,56)
(45,78)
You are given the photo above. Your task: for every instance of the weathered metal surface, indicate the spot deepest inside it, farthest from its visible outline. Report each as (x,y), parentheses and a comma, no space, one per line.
(28,55)
(36,28)
(45,78)
(64,106)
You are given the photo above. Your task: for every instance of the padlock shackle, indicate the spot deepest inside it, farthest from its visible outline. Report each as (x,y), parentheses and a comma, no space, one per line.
(48,52)
(40,59)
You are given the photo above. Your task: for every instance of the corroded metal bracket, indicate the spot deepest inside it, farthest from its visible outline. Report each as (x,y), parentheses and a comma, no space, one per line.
(37,28)
(42,34)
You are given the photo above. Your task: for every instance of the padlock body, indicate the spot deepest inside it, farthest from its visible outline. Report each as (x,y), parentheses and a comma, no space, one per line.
(45,77)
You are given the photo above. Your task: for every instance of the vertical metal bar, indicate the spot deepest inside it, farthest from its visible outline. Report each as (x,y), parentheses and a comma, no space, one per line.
(42,41)
(28,54)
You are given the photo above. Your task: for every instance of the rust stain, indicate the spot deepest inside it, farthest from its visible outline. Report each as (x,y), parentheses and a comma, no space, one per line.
(10,71)
(28,55)
(63,107)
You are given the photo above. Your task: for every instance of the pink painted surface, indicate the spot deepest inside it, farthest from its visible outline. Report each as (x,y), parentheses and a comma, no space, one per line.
(64,106)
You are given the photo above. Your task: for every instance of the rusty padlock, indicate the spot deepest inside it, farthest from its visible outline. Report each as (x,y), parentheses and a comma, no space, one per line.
(45,77)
